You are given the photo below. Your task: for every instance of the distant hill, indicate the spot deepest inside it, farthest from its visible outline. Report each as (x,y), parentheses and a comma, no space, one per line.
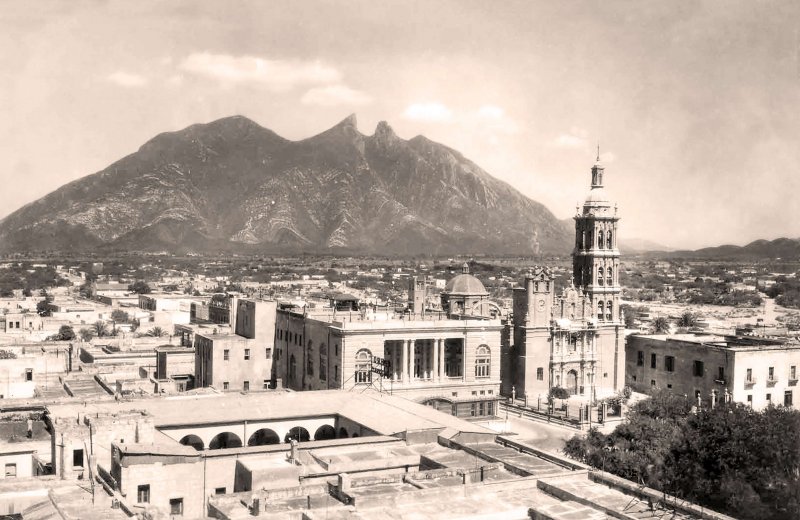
(232,185)
(783,248)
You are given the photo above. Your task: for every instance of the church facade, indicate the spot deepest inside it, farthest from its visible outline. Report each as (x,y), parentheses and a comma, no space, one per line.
(572,340)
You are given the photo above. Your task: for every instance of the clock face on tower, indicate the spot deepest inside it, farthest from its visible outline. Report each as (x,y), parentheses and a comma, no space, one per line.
(540,304)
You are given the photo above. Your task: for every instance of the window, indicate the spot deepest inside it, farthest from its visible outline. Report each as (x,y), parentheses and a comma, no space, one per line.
(749,375)
(226,354)
(246,354)
(28,374)
(669,363)
(453,352)
(363,366)
(769,398)
(11,470)
(473,409)
(640,358)
(246,386)
(653,361)
(266,384)
(220,491)
(143,494)
(176,506)
(699,370)
(268,353)
(669,386)
(608,240)
(653,383)
(77,458)
(600,240)
(225,385)
(482,361)
(540,374)
(600,277)
(787,398)
(792,373)
(335,372)
(750,400)
(771,374)
(600,312)
(721,374)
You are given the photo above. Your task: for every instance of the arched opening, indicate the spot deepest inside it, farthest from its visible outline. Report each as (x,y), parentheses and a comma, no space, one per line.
(297,433)
(324,433)
(194,441)
(225,440)
(572,382)
(600,240)
(263,437)
(600,307)
(363,366)
(600,276)
(343,433)
(356,435)
(608,240)
(482,361)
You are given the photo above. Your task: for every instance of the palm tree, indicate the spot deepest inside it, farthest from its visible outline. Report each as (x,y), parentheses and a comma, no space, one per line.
(156,332)
(661,325)
(688,319)
(86,334)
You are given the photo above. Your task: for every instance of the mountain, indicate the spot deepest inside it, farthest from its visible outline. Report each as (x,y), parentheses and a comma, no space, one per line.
(783,248)
(640,245)
(232,185)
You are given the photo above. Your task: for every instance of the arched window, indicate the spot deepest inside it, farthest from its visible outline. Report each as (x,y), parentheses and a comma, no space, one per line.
(309,360)
(600,310)
(600,239)
(323,362)
(609,276)
(483,360)
(600,276)
(609,309)
(363,366)
(609,244)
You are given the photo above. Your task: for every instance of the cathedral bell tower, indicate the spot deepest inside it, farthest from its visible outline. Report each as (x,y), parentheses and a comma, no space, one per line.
(595,259)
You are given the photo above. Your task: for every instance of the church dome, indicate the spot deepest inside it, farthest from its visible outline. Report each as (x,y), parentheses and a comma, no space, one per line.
(465,284)
(597,196)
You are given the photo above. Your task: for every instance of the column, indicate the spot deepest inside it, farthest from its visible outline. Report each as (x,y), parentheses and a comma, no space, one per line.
(464,358)
(409,360)
(403,362)
(426,364)
(436,376)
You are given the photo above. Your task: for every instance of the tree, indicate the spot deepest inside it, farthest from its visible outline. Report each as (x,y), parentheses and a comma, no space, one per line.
(661,325)
(140,287)
(86,334)
(100,328)
(43,307)
(118,315)
(26,292)
(156,332)
(65,333)
(688,319)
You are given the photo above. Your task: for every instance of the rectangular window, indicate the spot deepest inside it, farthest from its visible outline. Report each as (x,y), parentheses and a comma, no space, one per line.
(653,363)
(721,373)
(787,398)
(77,458)
(28,374)
(11,470)
(640,358)
(481,409)
(669,386)
(699,369)
(473,409)
(225,385)
(749,375)
(771,374)
(226,354)
(792,372)
(540,374)
(750,400)
(653,383)
(669,363)
(143,494)
(246,386)
(769,398)
(219,491)
(246,353)
(268,353)
(176,506)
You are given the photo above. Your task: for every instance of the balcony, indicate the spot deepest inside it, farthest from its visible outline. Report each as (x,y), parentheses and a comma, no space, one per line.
(749,383)
(792,382)
(771,382)
(721,381)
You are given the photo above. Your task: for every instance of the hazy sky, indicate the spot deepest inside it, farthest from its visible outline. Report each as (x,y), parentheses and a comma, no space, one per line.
(696,104)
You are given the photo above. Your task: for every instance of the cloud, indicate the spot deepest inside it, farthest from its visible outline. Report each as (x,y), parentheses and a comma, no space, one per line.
(575,138)
(335,95)
(126,79)
(276,75)
(434,112)
(491,112)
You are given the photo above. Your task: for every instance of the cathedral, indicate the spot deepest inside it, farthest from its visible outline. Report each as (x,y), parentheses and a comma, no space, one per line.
(572,340)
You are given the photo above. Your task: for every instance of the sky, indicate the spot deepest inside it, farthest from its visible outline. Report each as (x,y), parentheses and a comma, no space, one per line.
(695,104)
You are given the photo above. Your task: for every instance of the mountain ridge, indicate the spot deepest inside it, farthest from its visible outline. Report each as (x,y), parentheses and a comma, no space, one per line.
(232,184)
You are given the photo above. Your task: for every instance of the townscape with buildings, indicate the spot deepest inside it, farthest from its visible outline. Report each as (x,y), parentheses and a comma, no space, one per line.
(360,388)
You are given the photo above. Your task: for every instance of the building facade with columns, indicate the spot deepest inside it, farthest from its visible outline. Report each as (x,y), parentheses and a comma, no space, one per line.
(573,340)
(449,362)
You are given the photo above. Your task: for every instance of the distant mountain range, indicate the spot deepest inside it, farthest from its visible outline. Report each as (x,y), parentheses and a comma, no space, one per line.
(783,248)
(232,185)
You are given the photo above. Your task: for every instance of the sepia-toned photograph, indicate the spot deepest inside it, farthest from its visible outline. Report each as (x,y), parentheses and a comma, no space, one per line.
(399,259)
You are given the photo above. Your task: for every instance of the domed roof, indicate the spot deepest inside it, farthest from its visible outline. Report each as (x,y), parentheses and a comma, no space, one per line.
(465,284)
(597,197)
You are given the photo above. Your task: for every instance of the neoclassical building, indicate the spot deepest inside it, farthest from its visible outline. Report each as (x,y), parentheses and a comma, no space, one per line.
(575,339)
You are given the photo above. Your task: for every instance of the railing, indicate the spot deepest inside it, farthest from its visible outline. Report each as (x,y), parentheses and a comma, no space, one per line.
(748,383)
